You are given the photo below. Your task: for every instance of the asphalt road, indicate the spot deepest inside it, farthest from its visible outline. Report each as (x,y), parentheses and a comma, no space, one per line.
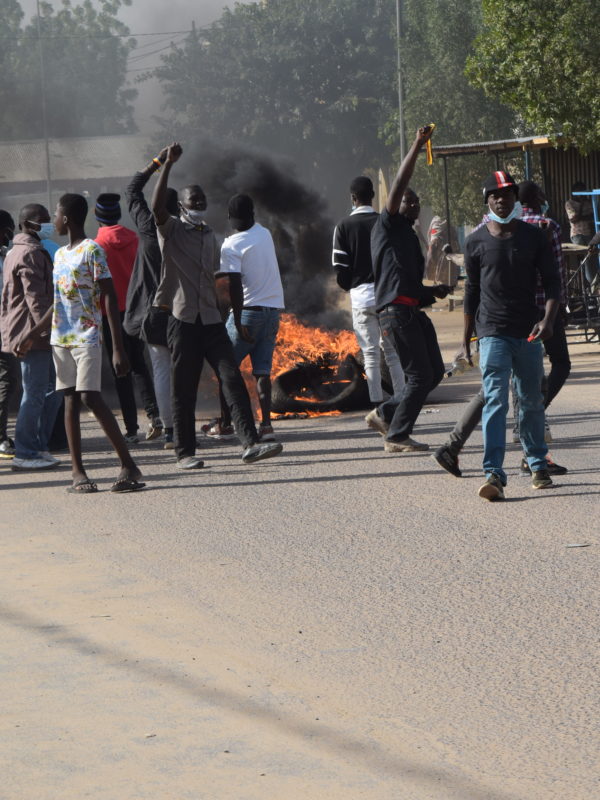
(335,623)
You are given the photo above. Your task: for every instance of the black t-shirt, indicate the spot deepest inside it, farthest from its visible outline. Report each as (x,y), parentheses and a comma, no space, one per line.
(398,263)
(352,249)
(502,278)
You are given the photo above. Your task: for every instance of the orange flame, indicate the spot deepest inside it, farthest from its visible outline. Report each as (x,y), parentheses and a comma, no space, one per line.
(297,342)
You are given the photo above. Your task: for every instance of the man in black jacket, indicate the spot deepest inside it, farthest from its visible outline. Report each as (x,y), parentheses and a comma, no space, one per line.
(398,267)
(351,260)
(141,320)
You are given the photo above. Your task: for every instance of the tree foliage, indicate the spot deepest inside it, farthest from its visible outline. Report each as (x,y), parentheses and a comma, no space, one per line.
(437,37)
(84,49)
(304,78)
(543,60)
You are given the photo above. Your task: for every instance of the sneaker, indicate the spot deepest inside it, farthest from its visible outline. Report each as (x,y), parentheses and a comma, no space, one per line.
(407,445)
(266,433)
(547,433)
(131,438)
(215,430)
(541,479)
(169,442)
(258,452)
(190,462)
(553,468)
(492,489)
(515,437)
(155,429)
(7,448)
(444,457)
(47,456)
(375,422)
(31,463)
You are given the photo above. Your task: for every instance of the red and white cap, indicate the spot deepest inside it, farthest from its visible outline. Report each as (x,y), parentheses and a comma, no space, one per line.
(498,180)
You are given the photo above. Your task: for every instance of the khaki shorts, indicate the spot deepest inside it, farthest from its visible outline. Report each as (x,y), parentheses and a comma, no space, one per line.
(78,368)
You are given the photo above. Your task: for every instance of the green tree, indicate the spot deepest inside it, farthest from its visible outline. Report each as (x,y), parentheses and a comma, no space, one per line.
(543,60)
(437,37)
(304,78)
(85,50)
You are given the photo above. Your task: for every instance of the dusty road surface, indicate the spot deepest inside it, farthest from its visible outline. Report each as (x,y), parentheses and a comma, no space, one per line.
(335,623)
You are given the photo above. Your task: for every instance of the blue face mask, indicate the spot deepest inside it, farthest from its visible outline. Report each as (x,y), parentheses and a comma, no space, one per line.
(46,231)
(516,213)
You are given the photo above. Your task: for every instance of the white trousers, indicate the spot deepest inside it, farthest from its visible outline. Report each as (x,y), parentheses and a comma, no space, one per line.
(160,358)
(366,327)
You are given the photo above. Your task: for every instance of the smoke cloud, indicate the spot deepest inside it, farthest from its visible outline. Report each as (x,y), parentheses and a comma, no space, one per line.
(295,214)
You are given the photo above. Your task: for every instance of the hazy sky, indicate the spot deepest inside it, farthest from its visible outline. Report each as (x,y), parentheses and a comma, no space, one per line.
(153,16)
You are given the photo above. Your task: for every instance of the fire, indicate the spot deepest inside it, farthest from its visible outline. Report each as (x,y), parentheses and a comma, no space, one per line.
(298,342)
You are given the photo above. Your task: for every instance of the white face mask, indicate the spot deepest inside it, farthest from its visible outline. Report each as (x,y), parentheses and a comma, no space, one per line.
(516,213)
(193,215)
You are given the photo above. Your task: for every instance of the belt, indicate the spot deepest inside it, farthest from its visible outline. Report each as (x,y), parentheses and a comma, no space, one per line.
(396,306)
(254,308)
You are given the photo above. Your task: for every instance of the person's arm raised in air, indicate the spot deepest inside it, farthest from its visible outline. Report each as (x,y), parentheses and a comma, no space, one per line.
(159,197)
(402,179)
(136,202)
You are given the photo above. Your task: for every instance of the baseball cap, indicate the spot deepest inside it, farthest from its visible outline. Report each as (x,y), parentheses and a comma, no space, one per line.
(498,180)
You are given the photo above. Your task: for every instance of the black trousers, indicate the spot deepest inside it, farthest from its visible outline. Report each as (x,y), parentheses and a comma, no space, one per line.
(413,336)
(134,348)
(9,368)
(190,344)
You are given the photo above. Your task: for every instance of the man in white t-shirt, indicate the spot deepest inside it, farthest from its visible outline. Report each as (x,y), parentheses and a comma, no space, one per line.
(254,293)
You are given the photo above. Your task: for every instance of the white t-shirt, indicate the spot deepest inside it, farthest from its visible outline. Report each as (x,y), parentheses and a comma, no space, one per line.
(252,254)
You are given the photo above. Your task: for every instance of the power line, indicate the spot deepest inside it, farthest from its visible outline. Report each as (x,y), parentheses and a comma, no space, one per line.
(100,35)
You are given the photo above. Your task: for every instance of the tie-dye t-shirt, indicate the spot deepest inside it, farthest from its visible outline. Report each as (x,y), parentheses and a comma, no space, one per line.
(77,317)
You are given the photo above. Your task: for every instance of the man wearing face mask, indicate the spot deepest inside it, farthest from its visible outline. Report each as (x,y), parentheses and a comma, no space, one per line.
(503,259)
(8,362)
(196,330)
(26,297)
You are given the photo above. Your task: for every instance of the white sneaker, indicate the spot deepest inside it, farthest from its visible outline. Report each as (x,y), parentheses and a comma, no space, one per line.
(190,462)
(46,455)
(547,433)
(31,463)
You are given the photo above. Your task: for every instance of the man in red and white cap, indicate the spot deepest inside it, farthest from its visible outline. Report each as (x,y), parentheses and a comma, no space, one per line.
(503,259)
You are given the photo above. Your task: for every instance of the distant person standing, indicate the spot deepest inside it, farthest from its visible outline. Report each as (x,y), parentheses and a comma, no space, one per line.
(581,215)
(8,361)
(120,245)
(252,285)
(398,267)
(142,321)
(81,279)
(351,259)
(26,297)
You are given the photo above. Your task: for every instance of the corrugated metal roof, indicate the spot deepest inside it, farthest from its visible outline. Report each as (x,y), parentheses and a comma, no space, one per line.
(495,146)
(94,157)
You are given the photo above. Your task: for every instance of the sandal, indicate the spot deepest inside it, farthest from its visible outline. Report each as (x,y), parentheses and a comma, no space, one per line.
(83,486)
(126,485)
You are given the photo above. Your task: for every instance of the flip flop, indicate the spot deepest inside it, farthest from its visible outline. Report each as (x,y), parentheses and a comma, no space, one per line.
(83,486)
(126,485)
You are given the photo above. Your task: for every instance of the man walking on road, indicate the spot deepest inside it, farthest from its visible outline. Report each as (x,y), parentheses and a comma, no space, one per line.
(398,267)
(196,331)
(503,259)
(351,260)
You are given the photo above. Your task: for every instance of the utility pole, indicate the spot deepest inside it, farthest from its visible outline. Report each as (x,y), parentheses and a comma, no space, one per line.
(401,133)
(44,109)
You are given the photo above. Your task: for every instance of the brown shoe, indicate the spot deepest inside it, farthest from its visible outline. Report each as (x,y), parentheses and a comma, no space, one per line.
(407,445)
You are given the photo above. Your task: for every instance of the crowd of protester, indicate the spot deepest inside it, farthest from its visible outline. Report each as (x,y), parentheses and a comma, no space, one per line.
(169,296)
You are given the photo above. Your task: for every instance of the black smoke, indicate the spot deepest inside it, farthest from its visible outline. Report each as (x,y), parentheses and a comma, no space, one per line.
(294,213)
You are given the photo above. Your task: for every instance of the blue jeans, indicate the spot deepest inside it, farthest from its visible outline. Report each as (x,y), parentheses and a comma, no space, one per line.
(263,326)
(498,355)
(39,404)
